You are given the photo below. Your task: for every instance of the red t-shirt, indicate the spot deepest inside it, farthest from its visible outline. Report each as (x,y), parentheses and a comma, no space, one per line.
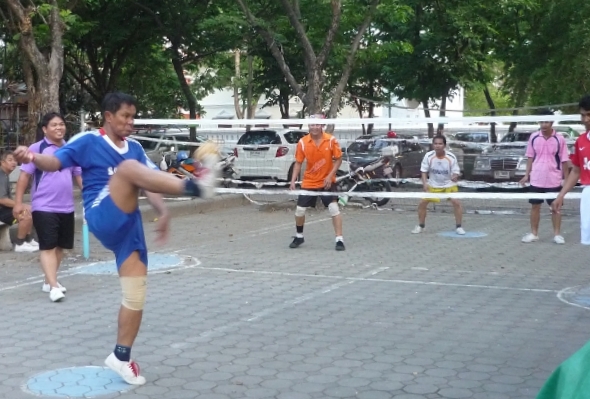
(581,157)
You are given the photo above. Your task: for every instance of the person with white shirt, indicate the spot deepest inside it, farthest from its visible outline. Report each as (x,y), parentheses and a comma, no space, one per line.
(440,173)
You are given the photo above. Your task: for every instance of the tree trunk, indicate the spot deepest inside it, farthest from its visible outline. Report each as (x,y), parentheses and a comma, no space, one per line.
(237,76)
(43,72)
(354,46)
(186,90)
(283,102)
(371,115)
(427,115)
(442,112)
(490,101)
(359,108)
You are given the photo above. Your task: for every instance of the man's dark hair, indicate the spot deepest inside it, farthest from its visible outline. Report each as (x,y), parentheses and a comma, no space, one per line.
(112,102)
(40,134)
(545,111)
(441,137)
(4,155)
(585,103)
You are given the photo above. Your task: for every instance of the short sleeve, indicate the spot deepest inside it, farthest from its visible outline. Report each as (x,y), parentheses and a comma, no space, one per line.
(336,150)
(28,168)
(424,165)
(299,154)
(575,155)
(76,171)
(3,185)
(564,153)
(74,153)
(455,169)
(530,153)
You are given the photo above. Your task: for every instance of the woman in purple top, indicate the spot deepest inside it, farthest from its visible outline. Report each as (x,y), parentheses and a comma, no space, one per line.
(52,203)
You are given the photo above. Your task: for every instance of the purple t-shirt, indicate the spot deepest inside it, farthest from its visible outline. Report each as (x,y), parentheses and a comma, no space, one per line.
(51,191)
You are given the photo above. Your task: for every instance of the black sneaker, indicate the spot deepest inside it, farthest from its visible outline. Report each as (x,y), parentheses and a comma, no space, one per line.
(297,241)
(340,246)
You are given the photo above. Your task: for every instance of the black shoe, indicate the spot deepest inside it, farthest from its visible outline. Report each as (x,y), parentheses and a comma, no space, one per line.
(340,246)
(297,241)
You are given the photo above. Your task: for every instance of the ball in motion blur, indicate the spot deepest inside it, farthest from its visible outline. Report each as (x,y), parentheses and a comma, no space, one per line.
(208,148)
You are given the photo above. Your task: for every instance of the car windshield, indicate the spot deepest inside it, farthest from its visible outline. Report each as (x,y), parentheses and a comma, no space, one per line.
(293,137)
(148,145)
(260,137)
(360,146)
(512,137)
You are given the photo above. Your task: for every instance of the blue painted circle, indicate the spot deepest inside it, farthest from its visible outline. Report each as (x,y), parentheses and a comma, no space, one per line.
(156,262)
(577,295)
(77,382)
(468,234)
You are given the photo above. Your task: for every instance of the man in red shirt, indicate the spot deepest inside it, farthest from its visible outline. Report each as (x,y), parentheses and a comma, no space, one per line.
(580,171)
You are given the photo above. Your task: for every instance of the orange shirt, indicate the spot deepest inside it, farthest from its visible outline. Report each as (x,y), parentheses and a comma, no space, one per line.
(320,159)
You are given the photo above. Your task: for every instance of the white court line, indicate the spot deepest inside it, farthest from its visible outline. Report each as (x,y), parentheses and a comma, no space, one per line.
(416,282)
(560,297)
(80,270)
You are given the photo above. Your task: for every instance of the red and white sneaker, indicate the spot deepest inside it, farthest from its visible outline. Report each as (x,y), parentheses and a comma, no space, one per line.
(129,371)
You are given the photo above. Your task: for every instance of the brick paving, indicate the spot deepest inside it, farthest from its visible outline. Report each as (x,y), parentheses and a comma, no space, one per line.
(394,316)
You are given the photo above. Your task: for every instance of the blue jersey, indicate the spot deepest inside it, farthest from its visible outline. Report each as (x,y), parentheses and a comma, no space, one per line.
(98,157)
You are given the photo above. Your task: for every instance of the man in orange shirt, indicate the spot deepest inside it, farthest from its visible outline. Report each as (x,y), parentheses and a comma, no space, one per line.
(324,156)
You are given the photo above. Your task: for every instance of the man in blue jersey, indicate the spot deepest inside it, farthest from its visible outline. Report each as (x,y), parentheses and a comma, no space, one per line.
(114,170)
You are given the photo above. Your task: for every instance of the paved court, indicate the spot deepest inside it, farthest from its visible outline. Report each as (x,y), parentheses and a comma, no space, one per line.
(232,312)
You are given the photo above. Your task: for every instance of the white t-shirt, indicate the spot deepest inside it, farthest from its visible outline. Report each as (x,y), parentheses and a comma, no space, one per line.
(440,170)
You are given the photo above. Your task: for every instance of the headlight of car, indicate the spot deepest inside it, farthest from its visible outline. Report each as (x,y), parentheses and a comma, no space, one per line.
(483,163)
(522,164)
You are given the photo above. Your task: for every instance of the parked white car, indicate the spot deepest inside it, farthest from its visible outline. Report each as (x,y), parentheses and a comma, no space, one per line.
(267,153)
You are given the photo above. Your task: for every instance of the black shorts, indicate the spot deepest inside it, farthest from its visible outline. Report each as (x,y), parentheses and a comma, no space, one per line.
(54,229)
(6,216)
(305,201)
(533,189)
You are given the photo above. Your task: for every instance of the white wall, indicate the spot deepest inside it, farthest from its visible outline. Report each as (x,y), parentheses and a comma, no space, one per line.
(221,102)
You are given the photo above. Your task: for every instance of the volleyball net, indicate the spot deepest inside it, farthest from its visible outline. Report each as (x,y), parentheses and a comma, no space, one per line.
(381,157)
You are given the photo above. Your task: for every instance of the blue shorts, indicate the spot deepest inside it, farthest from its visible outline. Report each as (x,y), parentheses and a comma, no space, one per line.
(118,231)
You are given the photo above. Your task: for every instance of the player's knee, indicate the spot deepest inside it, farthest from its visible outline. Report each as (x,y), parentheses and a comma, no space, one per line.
(300,211)
(134,290)
(334,209)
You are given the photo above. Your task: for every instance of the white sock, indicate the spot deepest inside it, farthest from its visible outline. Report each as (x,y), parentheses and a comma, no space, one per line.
(298,235)
(339,238)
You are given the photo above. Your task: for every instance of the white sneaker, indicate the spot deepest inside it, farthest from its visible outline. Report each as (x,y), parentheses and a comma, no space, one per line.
(129,371)
(207,174)
(417,230)
(530,237)
(34,243)
(56,294)
(558,239)
(46,287)
(26,247)
(460,231)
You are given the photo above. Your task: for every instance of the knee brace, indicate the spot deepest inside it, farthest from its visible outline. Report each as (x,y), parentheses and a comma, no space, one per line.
(300,211)
(134,289)
(334,209)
